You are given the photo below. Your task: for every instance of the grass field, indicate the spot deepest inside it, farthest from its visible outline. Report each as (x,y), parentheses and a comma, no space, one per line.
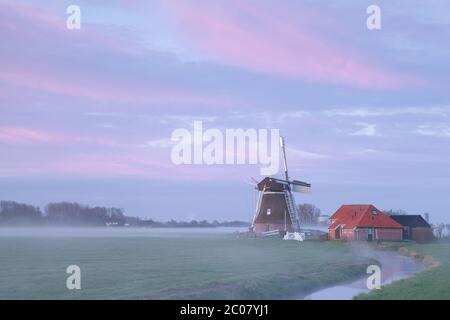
(145,265)
(433,283)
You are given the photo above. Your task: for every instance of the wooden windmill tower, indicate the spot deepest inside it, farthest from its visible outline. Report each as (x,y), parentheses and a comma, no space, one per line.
(276,209)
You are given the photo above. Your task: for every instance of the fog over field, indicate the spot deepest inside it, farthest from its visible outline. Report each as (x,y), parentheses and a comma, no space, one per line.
(168,263)
(72,232)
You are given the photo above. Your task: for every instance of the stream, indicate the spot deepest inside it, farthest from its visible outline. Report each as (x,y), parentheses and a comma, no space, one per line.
(393,267)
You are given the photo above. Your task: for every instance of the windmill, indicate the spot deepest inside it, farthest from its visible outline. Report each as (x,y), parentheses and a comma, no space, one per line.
(275,208)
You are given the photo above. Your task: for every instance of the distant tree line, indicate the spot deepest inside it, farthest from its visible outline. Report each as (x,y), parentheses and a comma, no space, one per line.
(59,214)
(19,213)
(397,212)
(77,215)
(192,224)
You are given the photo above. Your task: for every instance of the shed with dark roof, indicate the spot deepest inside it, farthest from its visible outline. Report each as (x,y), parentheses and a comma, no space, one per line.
(415,227)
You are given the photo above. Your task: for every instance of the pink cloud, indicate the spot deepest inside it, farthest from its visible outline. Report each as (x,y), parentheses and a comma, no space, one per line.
(143,166)
(102,165)
(94,88)
(26,21)
(66,153)
(268,41)
(63,154)
(23,136)
(20,135)
(116,164)
(55,69)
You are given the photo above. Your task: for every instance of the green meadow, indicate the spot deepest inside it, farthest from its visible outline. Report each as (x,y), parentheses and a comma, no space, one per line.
(170,264)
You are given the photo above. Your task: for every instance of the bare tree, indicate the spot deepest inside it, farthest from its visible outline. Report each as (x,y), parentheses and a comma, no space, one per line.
(308,213)
(439,228)
(391,212)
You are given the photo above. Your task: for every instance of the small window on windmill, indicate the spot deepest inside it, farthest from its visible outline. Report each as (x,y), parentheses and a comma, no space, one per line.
(374,212)
(269,211)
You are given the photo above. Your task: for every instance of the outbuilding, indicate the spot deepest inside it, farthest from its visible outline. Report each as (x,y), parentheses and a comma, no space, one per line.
(415,227)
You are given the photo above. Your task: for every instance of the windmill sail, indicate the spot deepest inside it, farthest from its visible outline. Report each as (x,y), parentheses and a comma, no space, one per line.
(300,186)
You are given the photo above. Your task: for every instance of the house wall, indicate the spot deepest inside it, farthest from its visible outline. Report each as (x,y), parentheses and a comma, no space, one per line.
(334,234)
(331,234)
(344,234)
(361,234)
(422,235)
(347,234)
(384,234)
(388,234)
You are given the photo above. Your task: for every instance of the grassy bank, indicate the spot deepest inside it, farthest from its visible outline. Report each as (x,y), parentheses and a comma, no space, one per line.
(175,266)
(433,283)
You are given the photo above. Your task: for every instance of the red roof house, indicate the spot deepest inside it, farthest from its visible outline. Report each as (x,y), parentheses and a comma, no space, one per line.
(363,222)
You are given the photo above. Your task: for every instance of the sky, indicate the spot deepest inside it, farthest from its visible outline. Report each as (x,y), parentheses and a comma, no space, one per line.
(87,114)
